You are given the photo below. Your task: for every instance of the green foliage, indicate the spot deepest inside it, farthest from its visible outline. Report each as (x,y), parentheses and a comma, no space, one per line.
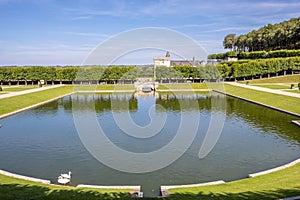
(68,73)
(231,54)
(217,56)
(188,72)
(285,35)
(167,73)
(258,67)
(256,54)
(229,41)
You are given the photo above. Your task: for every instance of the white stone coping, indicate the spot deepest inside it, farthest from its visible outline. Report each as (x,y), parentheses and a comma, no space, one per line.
(184,90)
(275,169)
(135,188)
(191,185)
(165,189)
(296,122)
(105,91)
(291,198)
(25,177)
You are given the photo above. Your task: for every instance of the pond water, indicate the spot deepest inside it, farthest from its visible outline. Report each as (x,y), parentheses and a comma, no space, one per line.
(43,142)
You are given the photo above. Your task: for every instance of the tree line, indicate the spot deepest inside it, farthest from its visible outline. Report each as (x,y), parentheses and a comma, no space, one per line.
(261,67)
(256,54)
(237,69)
(69,73)
(112,74)
(284,35)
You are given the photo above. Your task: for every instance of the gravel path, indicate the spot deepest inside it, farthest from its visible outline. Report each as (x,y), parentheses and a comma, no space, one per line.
(265,89)
(12,94)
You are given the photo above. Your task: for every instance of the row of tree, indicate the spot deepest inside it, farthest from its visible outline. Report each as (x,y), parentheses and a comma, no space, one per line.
(260,67)
(98,73)
(70,73)
(285,35)
(238,69)
(256,54)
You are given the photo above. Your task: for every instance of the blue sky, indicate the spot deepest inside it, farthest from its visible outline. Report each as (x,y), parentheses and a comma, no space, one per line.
(58,32)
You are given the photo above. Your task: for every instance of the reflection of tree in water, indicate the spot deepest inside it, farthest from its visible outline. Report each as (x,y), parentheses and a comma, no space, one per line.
(106,102)
(258,116)
(173,102)
(263,118)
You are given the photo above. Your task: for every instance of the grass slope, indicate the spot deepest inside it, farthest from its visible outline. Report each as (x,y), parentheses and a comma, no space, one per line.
(281,79)
(179,86)
(18,102)
(284,183)
(276,87)
(12,188)
(18,89)
(279,101)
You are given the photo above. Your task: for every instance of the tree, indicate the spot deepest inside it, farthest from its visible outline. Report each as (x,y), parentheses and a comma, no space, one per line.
(229,41)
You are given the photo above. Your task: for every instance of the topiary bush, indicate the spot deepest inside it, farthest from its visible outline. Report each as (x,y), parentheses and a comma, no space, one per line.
(292,86)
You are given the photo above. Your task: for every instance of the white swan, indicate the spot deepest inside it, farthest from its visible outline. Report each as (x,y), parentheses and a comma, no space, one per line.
(64,178)
(67,176)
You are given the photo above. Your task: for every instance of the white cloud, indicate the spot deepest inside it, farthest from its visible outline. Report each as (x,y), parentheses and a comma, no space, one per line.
(88,34)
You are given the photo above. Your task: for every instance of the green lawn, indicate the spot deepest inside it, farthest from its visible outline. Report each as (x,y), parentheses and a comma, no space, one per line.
(105,87)
(12,188)
(279,101)
(273,86)
(284,183)
(294,91)
(17,102)
(182,86)
(281,79)
(18,89)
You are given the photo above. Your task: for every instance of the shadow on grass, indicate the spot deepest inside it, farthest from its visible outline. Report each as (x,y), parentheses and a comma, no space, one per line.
(274,194)
(32,192)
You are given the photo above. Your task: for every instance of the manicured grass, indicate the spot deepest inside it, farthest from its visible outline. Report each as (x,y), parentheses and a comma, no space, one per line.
(294,91)
(116,87)
(105,87)
(17,102)
(279,101)
(284,183)
(281,79)
(18,89)
(182,86)
(12,188)
(274,86)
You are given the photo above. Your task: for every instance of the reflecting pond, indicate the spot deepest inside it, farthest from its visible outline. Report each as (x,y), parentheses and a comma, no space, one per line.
(43,142)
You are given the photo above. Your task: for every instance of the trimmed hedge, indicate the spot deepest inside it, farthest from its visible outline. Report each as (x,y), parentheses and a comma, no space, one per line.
(258,67)
(257,54)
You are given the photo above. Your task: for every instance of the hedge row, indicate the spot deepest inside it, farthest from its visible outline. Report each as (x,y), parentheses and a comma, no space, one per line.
(256,54)
(258,67)
(66,73)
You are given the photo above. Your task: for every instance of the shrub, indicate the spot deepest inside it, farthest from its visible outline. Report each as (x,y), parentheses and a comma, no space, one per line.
(299,86)
(292,86)
(1,89)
